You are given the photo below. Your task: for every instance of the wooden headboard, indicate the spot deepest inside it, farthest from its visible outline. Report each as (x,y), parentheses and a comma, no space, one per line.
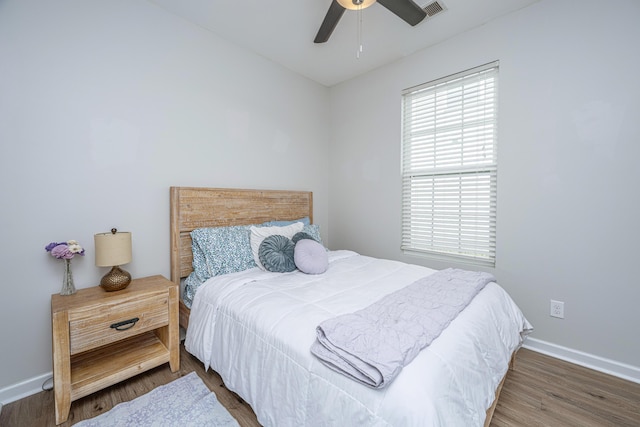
(193,207)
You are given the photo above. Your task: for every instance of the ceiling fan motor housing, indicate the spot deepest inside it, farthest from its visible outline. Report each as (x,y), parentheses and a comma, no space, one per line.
(356,4)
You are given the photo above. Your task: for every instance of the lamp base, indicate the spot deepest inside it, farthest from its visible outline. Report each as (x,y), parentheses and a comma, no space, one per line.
(115,280)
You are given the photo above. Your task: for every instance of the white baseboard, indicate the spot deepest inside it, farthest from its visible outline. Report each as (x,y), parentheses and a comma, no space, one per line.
(607,366)
(23,389)
(597,363)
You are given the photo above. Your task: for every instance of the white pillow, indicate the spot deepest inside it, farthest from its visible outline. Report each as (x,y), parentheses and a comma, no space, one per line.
(258,234)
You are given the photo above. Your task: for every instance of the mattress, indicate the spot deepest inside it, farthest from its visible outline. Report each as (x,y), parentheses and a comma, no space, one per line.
(255,329)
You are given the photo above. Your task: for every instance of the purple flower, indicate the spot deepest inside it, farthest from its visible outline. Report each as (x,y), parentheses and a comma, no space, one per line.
(52,245)
(62,252)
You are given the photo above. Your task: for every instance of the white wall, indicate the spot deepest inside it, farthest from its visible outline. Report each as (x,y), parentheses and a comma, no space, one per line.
(568,197)
(103,106)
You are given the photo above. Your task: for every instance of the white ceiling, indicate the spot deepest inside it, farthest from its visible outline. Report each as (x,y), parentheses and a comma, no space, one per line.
(283,31)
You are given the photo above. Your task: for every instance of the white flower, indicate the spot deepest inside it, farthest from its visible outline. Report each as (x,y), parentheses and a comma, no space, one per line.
(72,242)
(74,247)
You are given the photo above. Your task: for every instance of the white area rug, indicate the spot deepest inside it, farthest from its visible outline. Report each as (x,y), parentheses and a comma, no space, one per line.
(184,402)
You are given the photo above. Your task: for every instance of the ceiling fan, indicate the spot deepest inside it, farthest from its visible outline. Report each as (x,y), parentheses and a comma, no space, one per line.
(407,10)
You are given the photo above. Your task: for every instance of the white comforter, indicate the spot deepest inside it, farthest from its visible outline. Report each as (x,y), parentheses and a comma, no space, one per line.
(255,329)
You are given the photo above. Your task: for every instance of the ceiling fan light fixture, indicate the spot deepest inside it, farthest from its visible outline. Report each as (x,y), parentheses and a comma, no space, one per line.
(406,10)
(355,4)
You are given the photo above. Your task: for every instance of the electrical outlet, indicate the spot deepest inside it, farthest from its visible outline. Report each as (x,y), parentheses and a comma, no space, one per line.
(557,309)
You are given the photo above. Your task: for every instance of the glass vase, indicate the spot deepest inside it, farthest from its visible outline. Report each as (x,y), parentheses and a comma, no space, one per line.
(68,287)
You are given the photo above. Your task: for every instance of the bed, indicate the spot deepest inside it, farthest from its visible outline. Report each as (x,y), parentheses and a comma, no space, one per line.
(255,328)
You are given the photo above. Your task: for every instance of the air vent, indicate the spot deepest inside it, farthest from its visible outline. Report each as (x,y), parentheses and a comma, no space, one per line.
(434,8)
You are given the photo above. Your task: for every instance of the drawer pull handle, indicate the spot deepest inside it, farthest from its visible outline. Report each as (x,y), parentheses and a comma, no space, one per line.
(125,324)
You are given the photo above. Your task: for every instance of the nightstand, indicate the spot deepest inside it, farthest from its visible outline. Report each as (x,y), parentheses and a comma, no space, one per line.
(101,338)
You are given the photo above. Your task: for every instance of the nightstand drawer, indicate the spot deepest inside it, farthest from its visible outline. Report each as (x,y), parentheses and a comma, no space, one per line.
(97,326)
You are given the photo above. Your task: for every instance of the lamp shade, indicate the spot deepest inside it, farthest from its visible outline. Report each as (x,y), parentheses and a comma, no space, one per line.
(113,248)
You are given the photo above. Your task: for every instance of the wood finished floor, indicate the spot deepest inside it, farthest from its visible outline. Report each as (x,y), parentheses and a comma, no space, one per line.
(539,391)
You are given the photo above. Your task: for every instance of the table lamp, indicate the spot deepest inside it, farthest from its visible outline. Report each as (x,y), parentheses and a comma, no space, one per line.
(113,250)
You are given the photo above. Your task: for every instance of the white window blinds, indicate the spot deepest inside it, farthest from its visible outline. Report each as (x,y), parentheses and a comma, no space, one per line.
(449,166)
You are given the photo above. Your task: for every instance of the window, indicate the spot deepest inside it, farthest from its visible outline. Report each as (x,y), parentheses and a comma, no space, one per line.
(449,167)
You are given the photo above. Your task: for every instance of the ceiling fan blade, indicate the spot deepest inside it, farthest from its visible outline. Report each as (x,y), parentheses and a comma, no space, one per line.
(330,21)
(407,10)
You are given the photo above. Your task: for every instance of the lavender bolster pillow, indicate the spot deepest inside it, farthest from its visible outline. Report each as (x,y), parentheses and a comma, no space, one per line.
(310,257)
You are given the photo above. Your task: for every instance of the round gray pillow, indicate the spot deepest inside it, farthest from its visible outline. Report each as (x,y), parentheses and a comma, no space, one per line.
(311,257)
(276,254)
(301,235)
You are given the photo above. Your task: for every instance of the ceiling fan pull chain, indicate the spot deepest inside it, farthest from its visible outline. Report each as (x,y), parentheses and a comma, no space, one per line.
(359,31)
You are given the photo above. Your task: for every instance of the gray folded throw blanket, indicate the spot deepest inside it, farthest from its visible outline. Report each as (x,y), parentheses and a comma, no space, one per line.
(372,345)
